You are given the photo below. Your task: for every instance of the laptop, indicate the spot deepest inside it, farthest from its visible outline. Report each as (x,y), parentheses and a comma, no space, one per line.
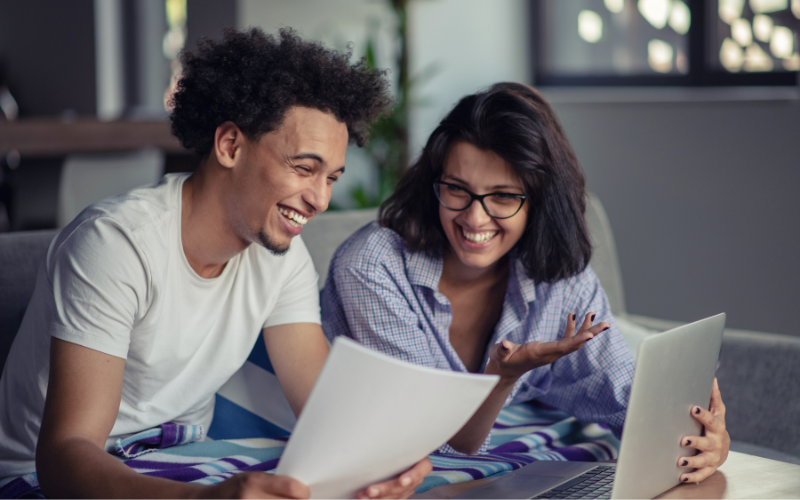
(674,372)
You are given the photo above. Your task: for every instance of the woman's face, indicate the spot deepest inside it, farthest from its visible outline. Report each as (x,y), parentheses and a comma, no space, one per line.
(478,239)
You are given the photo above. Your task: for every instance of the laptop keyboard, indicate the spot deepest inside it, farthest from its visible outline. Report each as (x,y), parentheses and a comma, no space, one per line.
(595,483)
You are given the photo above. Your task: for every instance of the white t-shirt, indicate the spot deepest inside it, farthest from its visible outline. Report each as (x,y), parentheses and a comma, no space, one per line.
(116,280)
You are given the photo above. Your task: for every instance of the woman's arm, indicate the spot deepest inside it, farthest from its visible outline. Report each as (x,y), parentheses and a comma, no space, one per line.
(511,361)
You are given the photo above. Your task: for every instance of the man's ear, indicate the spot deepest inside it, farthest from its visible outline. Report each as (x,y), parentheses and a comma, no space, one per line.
(228,142)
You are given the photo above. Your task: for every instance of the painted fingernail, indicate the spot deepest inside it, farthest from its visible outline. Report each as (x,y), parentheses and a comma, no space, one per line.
(685,463)
(573,316)
(696,411)
(405,481)
(688,441)
(606,328)
(685,479)
(593,315)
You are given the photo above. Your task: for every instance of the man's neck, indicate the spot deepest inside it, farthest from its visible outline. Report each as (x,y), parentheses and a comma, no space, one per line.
(209,239)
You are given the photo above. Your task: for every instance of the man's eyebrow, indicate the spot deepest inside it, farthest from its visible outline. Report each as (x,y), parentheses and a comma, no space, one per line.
(341,170)
(308,156)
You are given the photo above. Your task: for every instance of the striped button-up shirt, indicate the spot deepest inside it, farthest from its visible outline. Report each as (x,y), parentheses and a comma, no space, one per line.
(386,297)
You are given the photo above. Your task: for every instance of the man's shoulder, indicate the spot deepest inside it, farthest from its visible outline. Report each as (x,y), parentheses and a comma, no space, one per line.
(141,218)
(140,209)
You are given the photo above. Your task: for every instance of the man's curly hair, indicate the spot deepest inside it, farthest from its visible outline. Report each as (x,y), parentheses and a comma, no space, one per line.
(252,79)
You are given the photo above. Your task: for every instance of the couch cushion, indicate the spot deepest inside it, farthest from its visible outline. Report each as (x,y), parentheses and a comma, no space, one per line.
(21,255)
(324,233)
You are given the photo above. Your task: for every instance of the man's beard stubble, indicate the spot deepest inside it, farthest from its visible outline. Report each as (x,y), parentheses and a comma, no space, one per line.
(270,245)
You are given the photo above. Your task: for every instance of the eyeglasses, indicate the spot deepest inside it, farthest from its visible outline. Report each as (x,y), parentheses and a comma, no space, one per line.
(497,205)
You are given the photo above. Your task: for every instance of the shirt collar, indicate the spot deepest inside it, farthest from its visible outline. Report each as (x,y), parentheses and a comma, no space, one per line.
(426,270)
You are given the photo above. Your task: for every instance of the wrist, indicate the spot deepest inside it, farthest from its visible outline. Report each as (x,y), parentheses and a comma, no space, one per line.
(506,380)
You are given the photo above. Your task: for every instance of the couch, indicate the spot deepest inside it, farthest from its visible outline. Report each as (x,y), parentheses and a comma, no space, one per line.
(759,372)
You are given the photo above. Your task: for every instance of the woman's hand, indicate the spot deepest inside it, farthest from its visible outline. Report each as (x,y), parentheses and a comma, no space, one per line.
(511,361)
(713,446)
(403,486)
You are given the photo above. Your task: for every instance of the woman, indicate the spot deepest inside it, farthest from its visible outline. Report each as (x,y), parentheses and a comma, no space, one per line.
(480,264)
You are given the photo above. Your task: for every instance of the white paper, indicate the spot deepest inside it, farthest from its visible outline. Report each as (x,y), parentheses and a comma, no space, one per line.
(371,417)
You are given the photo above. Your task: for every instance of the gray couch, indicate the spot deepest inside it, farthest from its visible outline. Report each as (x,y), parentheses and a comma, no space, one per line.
(759,373)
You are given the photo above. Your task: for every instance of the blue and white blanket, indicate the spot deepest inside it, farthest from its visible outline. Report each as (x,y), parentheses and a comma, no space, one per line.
(521,435)
(252,422)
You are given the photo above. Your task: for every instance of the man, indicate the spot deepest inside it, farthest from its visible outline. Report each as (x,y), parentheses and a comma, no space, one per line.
(149,301)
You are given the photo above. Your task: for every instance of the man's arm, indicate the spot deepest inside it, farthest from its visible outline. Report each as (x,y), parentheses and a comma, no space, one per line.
(83,398)
(297,353)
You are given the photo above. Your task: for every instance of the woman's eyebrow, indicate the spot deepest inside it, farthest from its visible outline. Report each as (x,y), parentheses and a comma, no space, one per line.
(493,188)
(505,186)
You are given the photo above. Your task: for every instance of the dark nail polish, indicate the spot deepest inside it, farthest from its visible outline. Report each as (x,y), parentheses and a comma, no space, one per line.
(685,463)
(573,316)
(593,315)
(604,329)
(697,411)
(685,479)
(688,442)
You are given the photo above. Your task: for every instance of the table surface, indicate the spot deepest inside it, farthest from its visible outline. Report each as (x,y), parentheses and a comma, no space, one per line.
(741,476)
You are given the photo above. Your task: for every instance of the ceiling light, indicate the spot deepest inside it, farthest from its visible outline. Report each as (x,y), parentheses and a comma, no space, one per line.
(655,11)
(792,63)
(680,18)
(730,10)
(590,26)
(615,6)
(755,59)
(765,6)
(762,27)
(659,55)
(731,55)
(741,32)
(782,42)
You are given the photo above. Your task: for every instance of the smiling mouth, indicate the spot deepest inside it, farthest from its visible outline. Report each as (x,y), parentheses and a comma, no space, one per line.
(293,217)
(479,237)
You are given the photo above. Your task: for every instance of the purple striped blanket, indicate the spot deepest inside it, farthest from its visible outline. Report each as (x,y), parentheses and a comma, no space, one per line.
(521,435)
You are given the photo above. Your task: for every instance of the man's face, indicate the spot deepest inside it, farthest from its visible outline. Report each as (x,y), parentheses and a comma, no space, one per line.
(285,177)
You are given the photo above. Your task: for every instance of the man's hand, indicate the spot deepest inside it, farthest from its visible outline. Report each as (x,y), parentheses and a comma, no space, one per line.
(257,485)
(511,361)
(713,445)
(403,486)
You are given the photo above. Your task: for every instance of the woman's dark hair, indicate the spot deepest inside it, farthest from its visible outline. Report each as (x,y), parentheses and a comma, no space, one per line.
(514,121)
(252,79)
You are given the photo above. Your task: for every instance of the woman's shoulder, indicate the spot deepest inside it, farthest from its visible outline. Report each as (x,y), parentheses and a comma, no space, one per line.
(370,246)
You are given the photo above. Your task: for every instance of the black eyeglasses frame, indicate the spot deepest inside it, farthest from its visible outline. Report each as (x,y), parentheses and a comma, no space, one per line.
(478,197)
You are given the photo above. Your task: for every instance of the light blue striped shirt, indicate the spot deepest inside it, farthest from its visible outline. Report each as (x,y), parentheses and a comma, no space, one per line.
(387,298)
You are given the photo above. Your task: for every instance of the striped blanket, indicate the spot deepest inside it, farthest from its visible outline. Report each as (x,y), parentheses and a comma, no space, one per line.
(521,435)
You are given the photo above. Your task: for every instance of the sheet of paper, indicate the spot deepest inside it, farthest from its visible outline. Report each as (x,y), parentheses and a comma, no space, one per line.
(370,417)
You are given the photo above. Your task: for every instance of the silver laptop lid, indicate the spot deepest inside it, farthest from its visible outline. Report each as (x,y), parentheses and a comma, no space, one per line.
(674,372)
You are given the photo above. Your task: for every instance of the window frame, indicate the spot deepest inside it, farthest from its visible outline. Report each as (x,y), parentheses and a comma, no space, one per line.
(699,33)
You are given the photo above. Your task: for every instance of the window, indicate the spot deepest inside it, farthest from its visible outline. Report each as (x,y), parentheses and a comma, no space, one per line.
(666,42)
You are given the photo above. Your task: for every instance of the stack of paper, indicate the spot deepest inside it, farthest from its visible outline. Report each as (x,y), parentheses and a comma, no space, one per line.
(371,417)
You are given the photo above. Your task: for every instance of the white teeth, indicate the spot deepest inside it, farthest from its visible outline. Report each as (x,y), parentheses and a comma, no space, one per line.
(295,219)
(478,237)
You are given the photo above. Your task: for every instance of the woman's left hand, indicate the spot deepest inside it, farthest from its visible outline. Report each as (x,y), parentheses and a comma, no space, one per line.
(713,446)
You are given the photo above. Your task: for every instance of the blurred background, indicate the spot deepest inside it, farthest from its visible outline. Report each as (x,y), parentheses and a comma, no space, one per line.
(684,114)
